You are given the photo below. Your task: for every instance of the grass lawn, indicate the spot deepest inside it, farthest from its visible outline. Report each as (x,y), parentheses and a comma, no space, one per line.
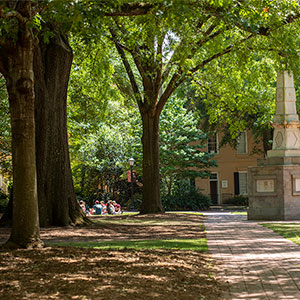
(241,213)
(290,231)
(160,223)
(176,244)
(135,218)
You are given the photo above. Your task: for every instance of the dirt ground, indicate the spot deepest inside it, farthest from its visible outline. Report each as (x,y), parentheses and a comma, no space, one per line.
(80,273)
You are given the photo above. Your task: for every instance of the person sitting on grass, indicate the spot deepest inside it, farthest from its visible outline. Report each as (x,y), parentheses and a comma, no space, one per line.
(103,208)
(97,208)
(83,206)
(110,207)
(117,207)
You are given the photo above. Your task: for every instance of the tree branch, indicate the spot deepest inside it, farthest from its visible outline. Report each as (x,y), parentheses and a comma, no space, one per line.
(13,14)
(174,83)
(199,44)
(225,51)
(131,9)
(136,57)
(129,71)
(159,65)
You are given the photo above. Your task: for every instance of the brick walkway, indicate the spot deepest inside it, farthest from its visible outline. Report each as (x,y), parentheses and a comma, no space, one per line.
(255,262)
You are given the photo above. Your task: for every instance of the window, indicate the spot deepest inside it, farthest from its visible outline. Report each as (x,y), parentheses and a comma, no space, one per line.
(242,143)
(213,176)
(213,144)
(243,183)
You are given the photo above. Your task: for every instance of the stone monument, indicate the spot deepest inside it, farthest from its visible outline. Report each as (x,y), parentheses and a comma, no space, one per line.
(274,185)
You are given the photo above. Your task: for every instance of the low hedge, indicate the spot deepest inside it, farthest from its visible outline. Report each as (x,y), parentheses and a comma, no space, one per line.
(192,199)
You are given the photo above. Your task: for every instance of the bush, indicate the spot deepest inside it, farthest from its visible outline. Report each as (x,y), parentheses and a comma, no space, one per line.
(182,199)
(238,200)
(137,199)
(3,201)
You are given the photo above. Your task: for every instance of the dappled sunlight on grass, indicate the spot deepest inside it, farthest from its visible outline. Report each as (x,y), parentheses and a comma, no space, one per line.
(179,244)
(290,231)
(185,212)
(155,219)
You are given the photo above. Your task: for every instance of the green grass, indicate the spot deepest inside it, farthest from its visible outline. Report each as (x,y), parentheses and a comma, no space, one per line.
(113,219)
(131,221)
(130,218)
(180,244)
(241,213)
(185,212)
(290,231)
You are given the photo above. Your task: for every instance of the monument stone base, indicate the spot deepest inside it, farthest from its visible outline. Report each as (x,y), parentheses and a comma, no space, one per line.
(274,190)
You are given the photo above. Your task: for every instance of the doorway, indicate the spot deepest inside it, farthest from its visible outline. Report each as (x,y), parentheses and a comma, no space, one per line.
(214,188)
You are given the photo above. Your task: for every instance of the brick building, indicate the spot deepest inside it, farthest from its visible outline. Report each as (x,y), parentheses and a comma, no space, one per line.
(230,178)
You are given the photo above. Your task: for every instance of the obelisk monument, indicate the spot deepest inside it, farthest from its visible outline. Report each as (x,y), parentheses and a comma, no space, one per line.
(274,185)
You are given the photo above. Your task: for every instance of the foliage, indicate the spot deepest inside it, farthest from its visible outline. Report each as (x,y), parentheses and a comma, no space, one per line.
(244,94)
(244,82)
(100,124)
(181,143)
(185,197)
(3,201)
(5,132)
(102,157)
(239,200)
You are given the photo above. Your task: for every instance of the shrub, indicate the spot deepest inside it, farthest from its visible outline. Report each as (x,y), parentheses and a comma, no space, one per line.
(3,201)
(137,199)
(191,199)
(239,200)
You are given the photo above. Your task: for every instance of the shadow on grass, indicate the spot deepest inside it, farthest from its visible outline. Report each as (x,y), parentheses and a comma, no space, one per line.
(174,217)
(182,244)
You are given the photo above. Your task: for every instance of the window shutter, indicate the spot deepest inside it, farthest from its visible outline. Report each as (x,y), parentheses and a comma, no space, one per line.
(236,183)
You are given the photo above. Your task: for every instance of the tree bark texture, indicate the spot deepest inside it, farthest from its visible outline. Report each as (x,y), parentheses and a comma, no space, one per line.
(56,197)
(57,201)
(151,179)
(17,61)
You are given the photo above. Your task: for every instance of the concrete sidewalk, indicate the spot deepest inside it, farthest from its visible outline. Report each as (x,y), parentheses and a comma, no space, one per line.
(255,263)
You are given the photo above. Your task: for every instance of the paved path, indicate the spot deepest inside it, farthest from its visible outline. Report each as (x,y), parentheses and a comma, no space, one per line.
(255,262)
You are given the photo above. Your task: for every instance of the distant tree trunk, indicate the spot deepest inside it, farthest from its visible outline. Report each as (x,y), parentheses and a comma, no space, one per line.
(169,184)
(57,200)
(82,179)
(18,73)
(151,179)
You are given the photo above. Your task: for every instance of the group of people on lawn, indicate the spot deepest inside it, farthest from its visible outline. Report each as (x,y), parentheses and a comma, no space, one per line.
(101,208)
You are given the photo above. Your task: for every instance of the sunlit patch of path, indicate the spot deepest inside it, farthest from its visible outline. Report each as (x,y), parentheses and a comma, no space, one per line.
(255,263)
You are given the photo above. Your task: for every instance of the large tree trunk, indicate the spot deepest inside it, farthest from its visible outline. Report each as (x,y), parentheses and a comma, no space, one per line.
(17,61)
(57,201)
(56,197)
(151,178)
